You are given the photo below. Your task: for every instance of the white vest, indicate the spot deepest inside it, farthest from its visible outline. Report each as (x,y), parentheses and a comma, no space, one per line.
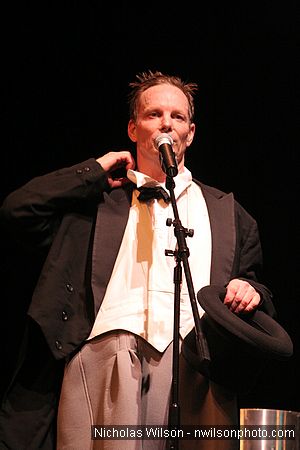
(140,295)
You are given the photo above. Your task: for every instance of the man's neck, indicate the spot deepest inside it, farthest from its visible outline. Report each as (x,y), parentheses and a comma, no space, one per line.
(155,171)
(151,169)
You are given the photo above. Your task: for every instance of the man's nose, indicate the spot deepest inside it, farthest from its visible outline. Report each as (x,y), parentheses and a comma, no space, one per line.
(166,123)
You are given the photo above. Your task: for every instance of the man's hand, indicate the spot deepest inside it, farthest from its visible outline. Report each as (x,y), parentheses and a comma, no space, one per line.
(113,161)
(241,296)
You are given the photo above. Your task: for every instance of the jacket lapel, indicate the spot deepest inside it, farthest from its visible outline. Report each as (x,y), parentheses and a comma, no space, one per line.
(111,220)
(222,221)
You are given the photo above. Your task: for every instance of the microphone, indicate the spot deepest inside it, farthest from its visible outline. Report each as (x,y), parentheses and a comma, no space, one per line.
(163,142)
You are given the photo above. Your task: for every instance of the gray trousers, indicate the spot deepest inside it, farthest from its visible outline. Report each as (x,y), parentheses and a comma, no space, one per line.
(120,379)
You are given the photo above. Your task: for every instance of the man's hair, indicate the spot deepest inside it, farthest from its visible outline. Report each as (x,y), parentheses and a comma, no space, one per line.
(145,80)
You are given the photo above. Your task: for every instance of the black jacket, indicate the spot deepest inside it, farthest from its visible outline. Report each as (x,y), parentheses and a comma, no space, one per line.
(61,213)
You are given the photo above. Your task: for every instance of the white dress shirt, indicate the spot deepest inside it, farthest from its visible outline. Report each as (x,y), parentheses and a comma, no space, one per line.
(140,295)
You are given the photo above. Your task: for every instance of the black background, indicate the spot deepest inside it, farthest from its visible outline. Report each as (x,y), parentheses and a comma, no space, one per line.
(66,70)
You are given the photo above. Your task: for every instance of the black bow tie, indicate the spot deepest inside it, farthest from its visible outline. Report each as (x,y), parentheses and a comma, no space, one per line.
(150,193)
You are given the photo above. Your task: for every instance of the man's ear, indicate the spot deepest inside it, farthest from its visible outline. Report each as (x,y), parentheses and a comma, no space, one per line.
(191,135)
(131,129)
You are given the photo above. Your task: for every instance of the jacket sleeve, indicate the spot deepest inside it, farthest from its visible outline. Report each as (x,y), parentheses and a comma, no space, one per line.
(33,212)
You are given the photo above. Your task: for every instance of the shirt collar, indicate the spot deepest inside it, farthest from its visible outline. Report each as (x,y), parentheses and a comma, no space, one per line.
(182,181)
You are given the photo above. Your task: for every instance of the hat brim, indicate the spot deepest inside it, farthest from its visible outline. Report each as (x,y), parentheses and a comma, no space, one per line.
(239,346)
(257,331)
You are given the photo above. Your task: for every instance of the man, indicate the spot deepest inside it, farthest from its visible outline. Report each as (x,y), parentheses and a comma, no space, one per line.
(104,300)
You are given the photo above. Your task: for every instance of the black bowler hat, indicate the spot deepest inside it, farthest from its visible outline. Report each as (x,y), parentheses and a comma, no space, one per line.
(239,345)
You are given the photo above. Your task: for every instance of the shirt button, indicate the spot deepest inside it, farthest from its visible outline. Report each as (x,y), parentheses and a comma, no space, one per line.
(69,287)
(86,169)
(58,345)
(79,171)
(64,316)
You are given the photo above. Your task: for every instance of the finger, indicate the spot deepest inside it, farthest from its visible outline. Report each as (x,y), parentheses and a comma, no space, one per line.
(124,159)
(234,293)
(249,301)
(130,162)
(243,302)
(242,298)
(117,182)
(230,294)
(253,304)
(234,305)
(115,160)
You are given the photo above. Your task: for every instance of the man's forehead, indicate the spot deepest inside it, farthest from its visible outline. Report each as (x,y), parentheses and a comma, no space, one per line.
(163,94)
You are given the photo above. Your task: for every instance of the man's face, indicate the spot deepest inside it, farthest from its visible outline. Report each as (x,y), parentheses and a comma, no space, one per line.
(162,109)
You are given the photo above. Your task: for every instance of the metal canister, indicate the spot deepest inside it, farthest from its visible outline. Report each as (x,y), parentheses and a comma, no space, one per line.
(269,429)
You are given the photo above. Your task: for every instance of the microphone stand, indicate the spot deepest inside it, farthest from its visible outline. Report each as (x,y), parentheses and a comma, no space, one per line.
(181,255)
